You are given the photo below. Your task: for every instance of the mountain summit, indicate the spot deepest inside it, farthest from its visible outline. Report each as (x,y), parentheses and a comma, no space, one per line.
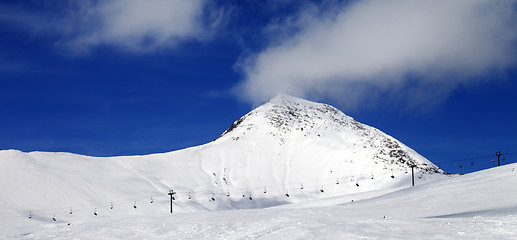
(287,150)
(286,118)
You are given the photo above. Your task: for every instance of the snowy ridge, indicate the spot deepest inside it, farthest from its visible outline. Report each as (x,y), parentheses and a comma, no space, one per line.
(287,150)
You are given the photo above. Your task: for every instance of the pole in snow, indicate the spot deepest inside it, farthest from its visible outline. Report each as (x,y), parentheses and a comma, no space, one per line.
(412,175)
(171,192)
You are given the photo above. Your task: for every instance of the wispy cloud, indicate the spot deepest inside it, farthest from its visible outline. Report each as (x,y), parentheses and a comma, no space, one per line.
(413,50)
(131,25)
(138,25)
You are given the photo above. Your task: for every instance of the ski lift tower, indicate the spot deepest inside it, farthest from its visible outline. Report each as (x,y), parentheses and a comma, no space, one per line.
(413,175)
(171,193)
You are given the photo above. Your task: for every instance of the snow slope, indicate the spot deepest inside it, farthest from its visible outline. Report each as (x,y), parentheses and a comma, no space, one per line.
(480,205)
(291,149)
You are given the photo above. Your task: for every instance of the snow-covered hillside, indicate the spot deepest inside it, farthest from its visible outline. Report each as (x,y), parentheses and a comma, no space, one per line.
(287,150)
(480,205)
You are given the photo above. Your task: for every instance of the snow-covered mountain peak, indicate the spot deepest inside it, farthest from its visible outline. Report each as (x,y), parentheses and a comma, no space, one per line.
(286,119)
(284,114)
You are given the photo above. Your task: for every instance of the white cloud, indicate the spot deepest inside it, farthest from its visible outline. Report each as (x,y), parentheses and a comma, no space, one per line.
(139,25)
(375,45)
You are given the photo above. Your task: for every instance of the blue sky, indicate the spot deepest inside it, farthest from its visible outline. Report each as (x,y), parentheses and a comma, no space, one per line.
(115,77)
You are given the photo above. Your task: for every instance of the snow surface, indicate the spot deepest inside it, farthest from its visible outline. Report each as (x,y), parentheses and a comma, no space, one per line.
(479,205)
(312,152)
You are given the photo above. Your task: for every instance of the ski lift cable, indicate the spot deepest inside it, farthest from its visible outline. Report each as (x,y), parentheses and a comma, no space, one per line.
(330,181)
(326,182)
(473,158)
(463,160)
(76,208)
(87,207)
(84,207)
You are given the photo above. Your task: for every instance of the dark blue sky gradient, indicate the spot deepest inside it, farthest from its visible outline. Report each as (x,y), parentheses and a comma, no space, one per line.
(111,102)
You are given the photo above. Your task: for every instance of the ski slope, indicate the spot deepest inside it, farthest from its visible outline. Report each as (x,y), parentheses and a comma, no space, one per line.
(480,205)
